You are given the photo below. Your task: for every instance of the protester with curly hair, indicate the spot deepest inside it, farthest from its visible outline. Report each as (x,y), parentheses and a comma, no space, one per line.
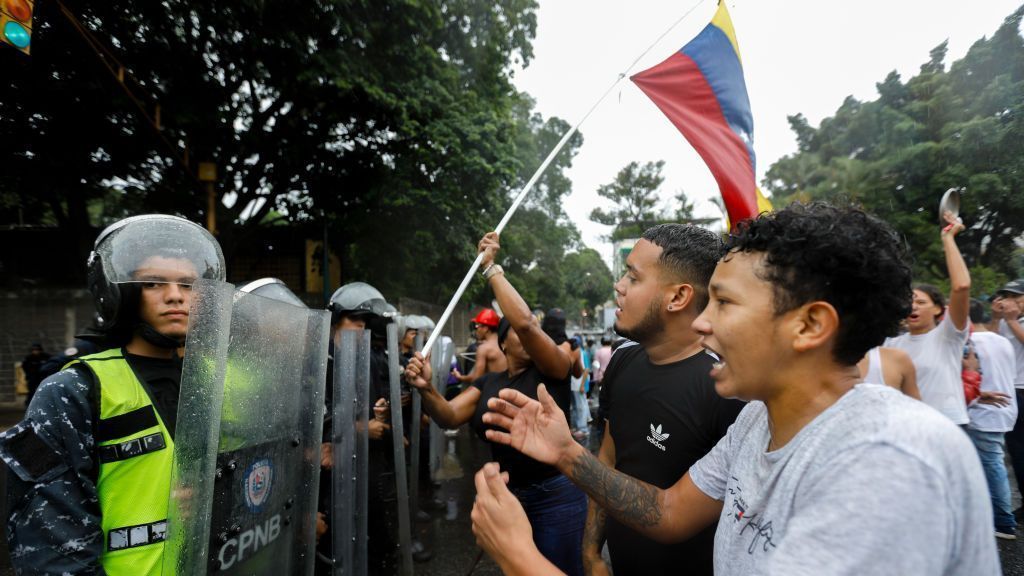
(936,335)
(820,474)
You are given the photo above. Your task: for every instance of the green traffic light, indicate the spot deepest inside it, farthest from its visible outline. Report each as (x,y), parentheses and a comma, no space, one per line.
(16,34)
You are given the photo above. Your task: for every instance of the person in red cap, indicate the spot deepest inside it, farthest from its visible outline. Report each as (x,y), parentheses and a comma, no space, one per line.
(489,357)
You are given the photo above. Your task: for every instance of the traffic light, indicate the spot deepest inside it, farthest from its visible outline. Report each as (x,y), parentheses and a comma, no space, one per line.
(16,23)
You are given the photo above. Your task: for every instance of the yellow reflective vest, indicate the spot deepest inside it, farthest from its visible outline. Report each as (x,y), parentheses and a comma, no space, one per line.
(134,450)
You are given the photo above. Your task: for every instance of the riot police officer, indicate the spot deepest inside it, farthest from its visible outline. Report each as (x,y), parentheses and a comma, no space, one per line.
(358,306)
(91,461)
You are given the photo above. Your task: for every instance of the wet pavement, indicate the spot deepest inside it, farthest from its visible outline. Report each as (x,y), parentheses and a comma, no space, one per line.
(450,532)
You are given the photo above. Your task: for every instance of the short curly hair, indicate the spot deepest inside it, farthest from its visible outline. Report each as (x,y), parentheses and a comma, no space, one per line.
(837,254)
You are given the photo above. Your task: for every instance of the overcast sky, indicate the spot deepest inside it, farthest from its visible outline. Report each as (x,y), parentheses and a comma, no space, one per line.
(798,56)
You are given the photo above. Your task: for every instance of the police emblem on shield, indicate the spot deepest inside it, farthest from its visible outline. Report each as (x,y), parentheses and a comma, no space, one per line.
(258,480)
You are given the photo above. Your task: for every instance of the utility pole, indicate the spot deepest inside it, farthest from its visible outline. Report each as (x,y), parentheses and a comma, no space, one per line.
(208,174)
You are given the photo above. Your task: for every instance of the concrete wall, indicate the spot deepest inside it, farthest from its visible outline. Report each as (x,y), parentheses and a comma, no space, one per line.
(50,317)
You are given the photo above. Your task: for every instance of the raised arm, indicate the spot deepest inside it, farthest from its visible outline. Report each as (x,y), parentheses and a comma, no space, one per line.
(959,277)
(539,430)
(551,360)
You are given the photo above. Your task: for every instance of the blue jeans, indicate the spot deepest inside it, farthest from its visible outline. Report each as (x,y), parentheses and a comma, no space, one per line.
(557,510)
(990,450)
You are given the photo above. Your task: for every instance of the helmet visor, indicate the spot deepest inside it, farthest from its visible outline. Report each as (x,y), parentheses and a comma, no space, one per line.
(160,249)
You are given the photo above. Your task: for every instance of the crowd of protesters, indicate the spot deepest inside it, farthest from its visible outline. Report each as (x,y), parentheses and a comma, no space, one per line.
(784,401)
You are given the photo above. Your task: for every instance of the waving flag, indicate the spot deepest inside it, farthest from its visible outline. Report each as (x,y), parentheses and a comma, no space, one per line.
(701,90)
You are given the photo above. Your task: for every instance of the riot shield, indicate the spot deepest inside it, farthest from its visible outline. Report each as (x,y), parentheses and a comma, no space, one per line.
(441,361)
(398,434)
(247,448)
(351,451)
(414,443)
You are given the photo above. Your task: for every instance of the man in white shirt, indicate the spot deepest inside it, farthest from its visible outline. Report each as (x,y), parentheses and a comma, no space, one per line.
(818,475)
(1007,308)
(993,414)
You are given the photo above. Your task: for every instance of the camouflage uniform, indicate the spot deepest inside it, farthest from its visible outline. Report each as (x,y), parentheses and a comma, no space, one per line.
(53,525)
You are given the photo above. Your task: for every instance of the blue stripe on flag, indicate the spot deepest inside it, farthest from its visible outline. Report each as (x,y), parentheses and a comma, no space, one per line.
(713,53)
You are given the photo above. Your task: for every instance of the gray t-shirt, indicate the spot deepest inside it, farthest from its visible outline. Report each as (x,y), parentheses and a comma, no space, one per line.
(877,484)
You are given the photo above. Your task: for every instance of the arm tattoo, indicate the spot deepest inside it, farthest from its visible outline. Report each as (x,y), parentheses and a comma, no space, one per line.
(627,499)
(593,531)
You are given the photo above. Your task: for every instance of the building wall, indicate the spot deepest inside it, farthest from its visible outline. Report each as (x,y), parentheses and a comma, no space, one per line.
(50,317)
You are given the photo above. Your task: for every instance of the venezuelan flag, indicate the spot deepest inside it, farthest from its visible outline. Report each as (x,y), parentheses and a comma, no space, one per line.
(701,90)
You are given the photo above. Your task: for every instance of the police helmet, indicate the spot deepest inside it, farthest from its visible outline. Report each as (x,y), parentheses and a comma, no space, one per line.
(151,248)
(417,322)
(356,299)
(274,289)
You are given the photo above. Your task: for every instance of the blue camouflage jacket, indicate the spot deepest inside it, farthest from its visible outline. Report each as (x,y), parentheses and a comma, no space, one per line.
(53,525)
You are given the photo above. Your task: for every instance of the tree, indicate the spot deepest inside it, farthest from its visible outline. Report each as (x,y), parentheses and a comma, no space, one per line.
(394,126)
(634,192)
(636,197)
(961,127)
(322,112)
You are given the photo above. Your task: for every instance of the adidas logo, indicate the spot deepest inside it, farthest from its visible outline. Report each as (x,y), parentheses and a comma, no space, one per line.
(657,437)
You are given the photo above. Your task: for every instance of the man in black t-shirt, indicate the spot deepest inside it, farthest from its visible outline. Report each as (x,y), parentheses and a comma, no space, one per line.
(662,409)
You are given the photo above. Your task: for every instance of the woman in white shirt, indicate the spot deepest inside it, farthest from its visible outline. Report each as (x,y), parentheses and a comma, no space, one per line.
(936,336)
(891,367)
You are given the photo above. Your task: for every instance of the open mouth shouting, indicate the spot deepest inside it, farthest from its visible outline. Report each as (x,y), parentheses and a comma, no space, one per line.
(719,364)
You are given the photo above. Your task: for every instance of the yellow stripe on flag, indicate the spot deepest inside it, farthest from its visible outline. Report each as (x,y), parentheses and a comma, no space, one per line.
(763,204)
(724,23)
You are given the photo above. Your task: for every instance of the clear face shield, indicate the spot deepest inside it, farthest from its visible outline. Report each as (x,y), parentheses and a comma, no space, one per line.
(159,250)
(274,289)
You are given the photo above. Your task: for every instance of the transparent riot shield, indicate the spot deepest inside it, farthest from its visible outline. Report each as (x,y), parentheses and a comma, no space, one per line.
(247,445)
(440,362)
(398,434)
(350,442)
(414,443)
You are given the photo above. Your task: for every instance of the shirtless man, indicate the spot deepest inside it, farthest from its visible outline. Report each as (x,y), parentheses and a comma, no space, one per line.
(489,357)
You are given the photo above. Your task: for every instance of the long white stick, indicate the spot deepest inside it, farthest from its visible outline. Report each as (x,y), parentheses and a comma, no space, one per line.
(436,332)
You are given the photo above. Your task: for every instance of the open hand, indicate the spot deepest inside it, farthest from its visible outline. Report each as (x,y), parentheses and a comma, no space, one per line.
(537,429)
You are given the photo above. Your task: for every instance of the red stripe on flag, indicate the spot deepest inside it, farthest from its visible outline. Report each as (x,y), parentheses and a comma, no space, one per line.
(680,90)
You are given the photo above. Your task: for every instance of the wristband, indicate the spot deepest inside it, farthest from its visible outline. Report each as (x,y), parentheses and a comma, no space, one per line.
(492,271)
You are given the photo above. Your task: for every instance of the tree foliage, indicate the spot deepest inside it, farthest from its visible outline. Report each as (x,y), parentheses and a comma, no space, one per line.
(635,194)
(958,128)
(392,124)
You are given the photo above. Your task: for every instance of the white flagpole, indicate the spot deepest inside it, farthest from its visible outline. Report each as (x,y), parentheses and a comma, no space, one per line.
(436,332)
